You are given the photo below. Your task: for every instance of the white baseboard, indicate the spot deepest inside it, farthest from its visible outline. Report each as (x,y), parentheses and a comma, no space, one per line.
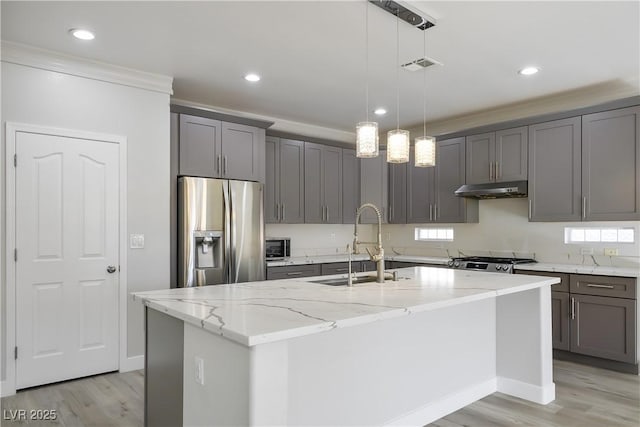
(446,405)
(537,394)
(132,363)
(7,389)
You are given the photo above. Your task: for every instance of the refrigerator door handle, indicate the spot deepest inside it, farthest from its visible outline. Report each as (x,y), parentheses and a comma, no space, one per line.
(227,232)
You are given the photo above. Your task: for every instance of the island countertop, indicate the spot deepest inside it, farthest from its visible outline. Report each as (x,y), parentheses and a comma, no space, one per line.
(261,312)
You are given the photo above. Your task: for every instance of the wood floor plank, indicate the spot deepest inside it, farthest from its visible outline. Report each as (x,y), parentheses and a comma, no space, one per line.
(585,397)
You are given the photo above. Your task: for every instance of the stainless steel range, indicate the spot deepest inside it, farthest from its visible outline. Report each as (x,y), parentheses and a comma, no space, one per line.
(489,264)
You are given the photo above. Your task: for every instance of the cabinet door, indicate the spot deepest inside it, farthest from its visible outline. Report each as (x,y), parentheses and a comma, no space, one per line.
(420,193)
(450,171)
(332,184)
(611,165)
(554,171)
(241,151)
(373,186)
(560,320)
(313,203)
(511,155)
(200,144)
(350,186)
(480,154)
(271,193)
(397,213)
(291,179)
(604,327)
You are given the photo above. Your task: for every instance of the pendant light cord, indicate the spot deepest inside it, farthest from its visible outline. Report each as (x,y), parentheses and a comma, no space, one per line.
(424,91)
(397,69)
(366,57)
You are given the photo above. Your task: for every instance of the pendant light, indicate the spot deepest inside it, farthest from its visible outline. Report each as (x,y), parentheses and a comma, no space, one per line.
(398,140)
(425,146)
(367,139)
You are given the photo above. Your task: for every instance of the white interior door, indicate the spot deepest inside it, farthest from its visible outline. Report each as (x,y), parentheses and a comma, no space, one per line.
(66,239)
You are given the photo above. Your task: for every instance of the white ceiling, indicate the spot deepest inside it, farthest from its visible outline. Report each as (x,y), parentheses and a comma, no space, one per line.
(311,53)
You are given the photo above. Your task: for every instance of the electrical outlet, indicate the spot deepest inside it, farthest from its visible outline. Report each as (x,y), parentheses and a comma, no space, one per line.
(611,251)
(586,251)
(199,365)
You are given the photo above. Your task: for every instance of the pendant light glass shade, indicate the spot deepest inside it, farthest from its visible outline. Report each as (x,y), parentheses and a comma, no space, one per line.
(425,147)
(367,139)
(398,142)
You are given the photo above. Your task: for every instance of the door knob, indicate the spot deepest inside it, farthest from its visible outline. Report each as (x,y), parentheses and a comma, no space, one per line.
(111,269)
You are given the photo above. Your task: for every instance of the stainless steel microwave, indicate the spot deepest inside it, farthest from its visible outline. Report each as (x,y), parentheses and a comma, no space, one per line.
(277,248)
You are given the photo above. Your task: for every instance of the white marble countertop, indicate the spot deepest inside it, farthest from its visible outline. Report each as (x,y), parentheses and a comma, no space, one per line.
(600,270)
(323,259)
(261,312)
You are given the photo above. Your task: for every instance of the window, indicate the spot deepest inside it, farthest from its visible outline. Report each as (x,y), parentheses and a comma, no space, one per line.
(599,235)
(434,234)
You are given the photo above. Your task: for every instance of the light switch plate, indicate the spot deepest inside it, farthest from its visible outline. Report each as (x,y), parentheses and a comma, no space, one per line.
(136,241)
(611,251)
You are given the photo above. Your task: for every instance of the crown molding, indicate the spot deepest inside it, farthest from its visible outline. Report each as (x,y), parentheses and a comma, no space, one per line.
(30,56)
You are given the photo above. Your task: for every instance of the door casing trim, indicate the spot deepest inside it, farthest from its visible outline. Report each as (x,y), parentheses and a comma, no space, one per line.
(9,384)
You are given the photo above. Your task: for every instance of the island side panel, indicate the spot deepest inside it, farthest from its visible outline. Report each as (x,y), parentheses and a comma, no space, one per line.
(524,360)
(163,369)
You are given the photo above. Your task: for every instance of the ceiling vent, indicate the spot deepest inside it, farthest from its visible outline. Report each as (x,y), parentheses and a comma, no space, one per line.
(415,18)
(420,64)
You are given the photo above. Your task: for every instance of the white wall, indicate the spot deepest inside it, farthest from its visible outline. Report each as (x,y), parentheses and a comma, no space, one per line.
(57,99)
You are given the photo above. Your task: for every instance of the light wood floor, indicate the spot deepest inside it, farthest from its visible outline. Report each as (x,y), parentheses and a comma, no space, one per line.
(585,397)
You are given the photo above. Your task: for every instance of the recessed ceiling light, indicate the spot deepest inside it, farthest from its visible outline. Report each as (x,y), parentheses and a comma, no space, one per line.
(380,111)
(252,77)
(528,71)
(82,34)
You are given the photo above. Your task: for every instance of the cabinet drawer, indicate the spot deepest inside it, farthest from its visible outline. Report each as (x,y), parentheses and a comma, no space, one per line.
(293,271)
(620,287)
(340,268)
(563,286)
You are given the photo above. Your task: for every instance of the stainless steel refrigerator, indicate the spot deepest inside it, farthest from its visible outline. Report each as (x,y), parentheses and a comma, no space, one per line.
(220,231)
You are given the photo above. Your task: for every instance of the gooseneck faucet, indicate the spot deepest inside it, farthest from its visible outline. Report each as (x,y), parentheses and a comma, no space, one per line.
(377,257)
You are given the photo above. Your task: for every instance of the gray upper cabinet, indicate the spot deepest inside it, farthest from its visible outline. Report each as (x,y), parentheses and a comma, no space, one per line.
(450,175)
(397,212)
(420,193)
(373,186)
(215,149)
(200,145)
(497,156)
(611,165)
(350,186)
(555,170)
(323,184)
(284,187)
(242,152)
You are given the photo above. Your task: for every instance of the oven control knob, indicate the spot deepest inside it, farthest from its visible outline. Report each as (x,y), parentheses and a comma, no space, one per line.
(502,267)
(450,263)
(456,264)
(498,267)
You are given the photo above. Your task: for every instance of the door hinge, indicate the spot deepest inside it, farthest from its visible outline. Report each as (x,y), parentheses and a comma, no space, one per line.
(15,160)
(15,353)
(15,255)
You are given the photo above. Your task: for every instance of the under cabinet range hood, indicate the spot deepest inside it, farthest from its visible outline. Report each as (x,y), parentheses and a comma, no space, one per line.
(493,190)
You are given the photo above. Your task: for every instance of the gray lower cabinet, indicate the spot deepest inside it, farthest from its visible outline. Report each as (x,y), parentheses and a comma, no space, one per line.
(350,186)
(397,212)
(560,320)
(284,183)
(340,268)
(555,170)
(373,186)
(497,156)
(450,175)
(293,271)
(323,184)
(611,165)
(214,149)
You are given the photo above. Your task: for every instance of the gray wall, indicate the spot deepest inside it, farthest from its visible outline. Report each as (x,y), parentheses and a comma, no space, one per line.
(40,97)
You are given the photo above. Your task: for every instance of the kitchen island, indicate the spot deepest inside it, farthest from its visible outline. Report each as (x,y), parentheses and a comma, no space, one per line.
(295,352)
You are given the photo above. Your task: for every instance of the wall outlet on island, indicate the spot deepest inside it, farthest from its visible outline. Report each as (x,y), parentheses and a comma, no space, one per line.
(611,251)
(586,251)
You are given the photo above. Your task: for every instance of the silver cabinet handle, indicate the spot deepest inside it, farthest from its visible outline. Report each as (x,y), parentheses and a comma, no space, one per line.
(584,207)
(497,171)
(530,208)
(435,212)
(294,273)
(277,211)
(111,269)
(341,270)
(593,285)
(218,162)
(573,308)
(490,171)
(430,212)
(327,207)
(282,207)
(225,165)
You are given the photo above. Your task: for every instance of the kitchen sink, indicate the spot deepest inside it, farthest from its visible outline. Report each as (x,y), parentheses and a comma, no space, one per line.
(343,281)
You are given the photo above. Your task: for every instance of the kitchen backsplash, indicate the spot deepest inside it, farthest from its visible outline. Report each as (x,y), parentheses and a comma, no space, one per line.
(503,230)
